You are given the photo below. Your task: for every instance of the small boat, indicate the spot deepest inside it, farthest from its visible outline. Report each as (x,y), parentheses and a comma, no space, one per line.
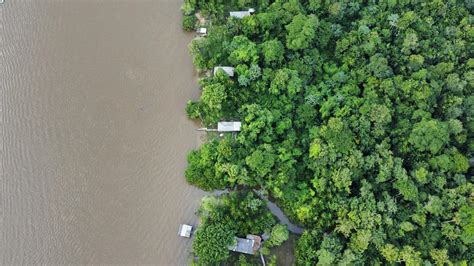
(185,230)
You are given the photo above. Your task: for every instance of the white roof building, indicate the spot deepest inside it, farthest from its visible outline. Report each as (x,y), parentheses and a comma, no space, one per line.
(229,126)
(241,14)
(228,70)
(201,31)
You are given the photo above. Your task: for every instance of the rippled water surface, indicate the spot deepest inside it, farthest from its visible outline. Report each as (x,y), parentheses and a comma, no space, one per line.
(94,134)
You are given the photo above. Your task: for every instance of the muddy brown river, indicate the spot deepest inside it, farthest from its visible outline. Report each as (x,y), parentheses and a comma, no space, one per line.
(94,133)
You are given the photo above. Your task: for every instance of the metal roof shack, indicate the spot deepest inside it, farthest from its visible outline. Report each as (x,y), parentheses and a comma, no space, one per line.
(229,126)
(201,31)
(249,245)
(228,70)
(185,230)
(241,14)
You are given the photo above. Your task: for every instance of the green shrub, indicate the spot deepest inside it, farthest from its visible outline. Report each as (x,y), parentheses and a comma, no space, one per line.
(189,22)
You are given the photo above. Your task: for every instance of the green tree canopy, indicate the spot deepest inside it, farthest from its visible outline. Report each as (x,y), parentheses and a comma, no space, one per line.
(301,32)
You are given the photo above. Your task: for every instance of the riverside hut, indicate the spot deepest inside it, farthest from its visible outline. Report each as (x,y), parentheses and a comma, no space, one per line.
(229,126)
(201,31)
(241,14)
(249,245)
(228,70)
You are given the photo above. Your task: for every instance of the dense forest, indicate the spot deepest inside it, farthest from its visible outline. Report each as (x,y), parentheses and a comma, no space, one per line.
(357,119)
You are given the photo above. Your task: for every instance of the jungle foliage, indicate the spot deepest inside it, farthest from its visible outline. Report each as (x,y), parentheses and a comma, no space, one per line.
(358,119)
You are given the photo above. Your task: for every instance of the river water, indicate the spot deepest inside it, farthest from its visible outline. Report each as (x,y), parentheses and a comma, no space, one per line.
(94,134)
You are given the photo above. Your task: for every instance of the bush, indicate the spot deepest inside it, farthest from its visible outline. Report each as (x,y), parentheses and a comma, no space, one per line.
(189,22)
(188,7)
(279,235)
(211,241)
(192,109)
